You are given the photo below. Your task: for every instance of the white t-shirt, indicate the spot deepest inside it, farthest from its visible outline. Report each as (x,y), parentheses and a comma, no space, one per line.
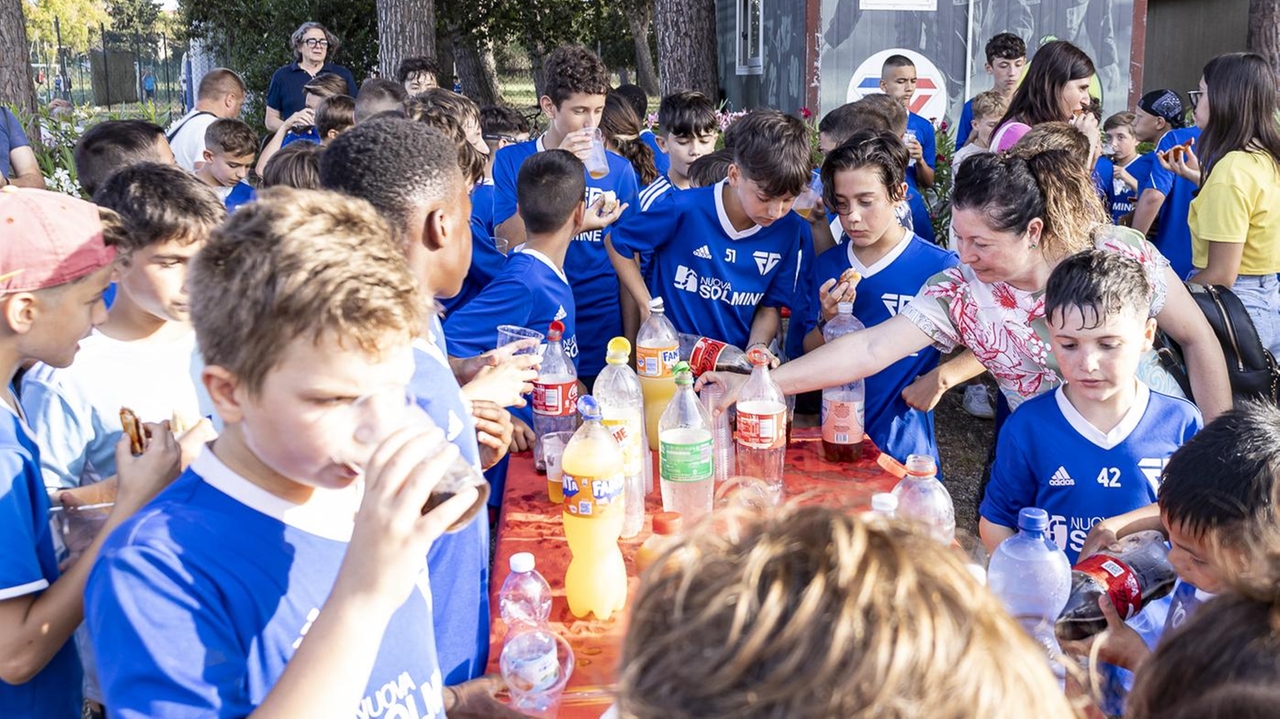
(75,412)
(188,143)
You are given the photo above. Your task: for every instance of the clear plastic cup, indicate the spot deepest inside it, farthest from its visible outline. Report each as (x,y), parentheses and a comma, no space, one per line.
(502,244)
(723,450)
(514,333)
(78,526)
(553,444)
(806,202)
(597,161)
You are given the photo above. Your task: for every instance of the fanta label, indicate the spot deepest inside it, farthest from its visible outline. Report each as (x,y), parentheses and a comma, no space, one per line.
(762,431)
(842,422)
(591,496)
(656,362)
(1119,579)
(705,354)
(555,399)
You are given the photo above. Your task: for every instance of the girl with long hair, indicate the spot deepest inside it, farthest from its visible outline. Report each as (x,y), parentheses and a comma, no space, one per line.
(1055,89)
(621,128)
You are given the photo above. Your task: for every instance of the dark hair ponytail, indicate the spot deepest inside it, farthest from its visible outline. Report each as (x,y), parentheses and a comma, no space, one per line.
(621,128)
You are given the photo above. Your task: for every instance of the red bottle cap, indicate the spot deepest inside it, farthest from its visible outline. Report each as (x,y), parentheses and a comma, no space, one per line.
(555,331)
(758,355)
(666,522)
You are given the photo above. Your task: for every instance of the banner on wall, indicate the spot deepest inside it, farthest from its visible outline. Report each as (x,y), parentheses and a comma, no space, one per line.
(930,100)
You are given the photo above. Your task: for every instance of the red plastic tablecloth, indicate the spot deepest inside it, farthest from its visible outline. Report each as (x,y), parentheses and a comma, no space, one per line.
(529,522)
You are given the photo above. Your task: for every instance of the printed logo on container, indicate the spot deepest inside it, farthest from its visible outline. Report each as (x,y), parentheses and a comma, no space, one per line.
(656,361)
(842,422)
(762,431)
(592,496)
(627,432)
(685,462)
(557,399)
(705,354)
(1119,579)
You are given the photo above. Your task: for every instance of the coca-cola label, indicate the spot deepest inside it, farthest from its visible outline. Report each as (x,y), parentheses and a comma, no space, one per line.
(656,362)
(591,496)
(842,422)
(705,354)
(1120,580)
(762,431)
(557,399)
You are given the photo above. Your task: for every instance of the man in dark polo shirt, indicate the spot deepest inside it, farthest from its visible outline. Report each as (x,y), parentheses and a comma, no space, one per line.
(312,44)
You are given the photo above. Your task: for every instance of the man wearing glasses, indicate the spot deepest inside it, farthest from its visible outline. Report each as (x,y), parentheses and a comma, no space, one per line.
(312,44)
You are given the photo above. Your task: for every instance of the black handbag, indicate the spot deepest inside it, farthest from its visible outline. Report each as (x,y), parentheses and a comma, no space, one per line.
(1251,368)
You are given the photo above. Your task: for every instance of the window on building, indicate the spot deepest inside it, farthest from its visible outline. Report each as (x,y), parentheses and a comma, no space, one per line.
(750,37)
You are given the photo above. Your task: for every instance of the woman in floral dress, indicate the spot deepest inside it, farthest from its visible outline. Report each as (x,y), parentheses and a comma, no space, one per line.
(1015,219)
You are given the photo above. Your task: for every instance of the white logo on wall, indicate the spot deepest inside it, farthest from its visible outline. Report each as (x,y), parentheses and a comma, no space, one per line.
(766,261)
(930,99)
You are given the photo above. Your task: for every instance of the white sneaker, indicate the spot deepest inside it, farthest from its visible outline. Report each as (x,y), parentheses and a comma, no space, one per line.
(977,402)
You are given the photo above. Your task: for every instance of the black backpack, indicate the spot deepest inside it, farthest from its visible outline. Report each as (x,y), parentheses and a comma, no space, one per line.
(1251,368)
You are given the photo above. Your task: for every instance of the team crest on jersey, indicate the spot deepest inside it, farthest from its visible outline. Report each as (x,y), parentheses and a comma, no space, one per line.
(1151,468)
(766,261)
(703,252)
(895,303)
(1061,478)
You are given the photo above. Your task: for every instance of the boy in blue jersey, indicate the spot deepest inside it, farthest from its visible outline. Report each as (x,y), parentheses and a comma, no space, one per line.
(287,568)
(532,290)
(638,99)
(1164,199)
(230,146)
(1216,507)
(864,179)
(573,100)
(690,128)
(915,214)
(726,257)
(409,173)
(1120,169)
(1006,56)
(57,257)
(501,127)
(898,81)
(1094,447)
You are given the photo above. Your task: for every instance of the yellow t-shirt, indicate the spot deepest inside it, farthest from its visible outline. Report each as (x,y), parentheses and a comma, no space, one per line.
(1239,203)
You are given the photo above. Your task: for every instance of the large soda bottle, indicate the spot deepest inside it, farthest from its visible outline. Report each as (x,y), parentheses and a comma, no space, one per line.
(762,425)
(555,393)
(1132,572)
(707,355)
(657,351)
(685,452)
(923,499)
(596,581)
(525,597)
(622,403)
(1032,577)
(843,406)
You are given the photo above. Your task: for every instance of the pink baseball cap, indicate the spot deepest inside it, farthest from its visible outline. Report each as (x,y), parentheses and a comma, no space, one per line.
(48,239)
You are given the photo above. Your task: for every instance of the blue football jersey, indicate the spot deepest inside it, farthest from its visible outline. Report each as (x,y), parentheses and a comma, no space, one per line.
(711,276)
(1049,456)
(482,205)
(486,263)
(928,144)
(591,275)
(887,286)
(660,159)
(1173,233)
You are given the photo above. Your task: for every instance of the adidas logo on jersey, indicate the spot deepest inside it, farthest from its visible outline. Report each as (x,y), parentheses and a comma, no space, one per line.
(704,252)
(1060,478)
(560,313)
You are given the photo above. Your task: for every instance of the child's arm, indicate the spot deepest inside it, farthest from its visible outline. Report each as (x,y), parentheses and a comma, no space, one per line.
(1147,210)
(305,116)
(35,626)
(993,534)
(1183,321)
(628,269)
(764,326)
(1112,529)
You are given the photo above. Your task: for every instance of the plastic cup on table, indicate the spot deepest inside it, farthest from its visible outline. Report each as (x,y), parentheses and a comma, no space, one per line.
(514,333)
(553,445)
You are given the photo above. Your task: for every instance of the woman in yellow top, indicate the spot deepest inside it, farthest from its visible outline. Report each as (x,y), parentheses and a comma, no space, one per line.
(1235,218)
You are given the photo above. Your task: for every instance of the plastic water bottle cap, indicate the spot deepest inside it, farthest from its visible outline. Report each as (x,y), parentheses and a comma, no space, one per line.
(589,407)
(1033,519)
(884,503)
(666,522)
(555,331)
(921,465)
(522,562)
(845,308)
(618,351)
(682,373)
(655,305)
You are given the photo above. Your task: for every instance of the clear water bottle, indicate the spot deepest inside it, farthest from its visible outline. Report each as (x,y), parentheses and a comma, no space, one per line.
(1032,577)
(617,389)
(923,499)
(844,405)
(525,598)
(723,458)
(884,504)
(536,664)
(555,393)
(685,452)
(762,425)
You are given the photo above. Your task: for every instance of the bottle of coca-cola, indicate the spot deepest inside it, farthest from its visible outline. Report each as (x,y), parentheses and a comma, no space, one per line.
(1132,572)
(762,425)
(843,405)
(555,393)
(707,355)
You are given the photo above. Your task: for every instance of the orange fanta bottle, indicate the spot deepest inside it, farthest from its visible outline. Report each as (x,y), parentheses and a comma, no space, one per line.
(593,515)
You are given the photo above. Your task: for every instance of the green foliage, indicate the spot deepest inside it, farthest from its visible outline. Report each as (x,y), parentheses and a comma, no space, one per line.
(77,19)
(133,20)
(252,37)
(938,197)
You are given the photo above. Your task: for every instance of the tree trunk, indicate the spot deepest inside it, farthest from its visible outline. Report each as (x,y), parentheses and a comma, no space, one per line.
(477,70)
(16,87)
(445,56)
(639,21)
(406,28)
(1264,31)
(686,32)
